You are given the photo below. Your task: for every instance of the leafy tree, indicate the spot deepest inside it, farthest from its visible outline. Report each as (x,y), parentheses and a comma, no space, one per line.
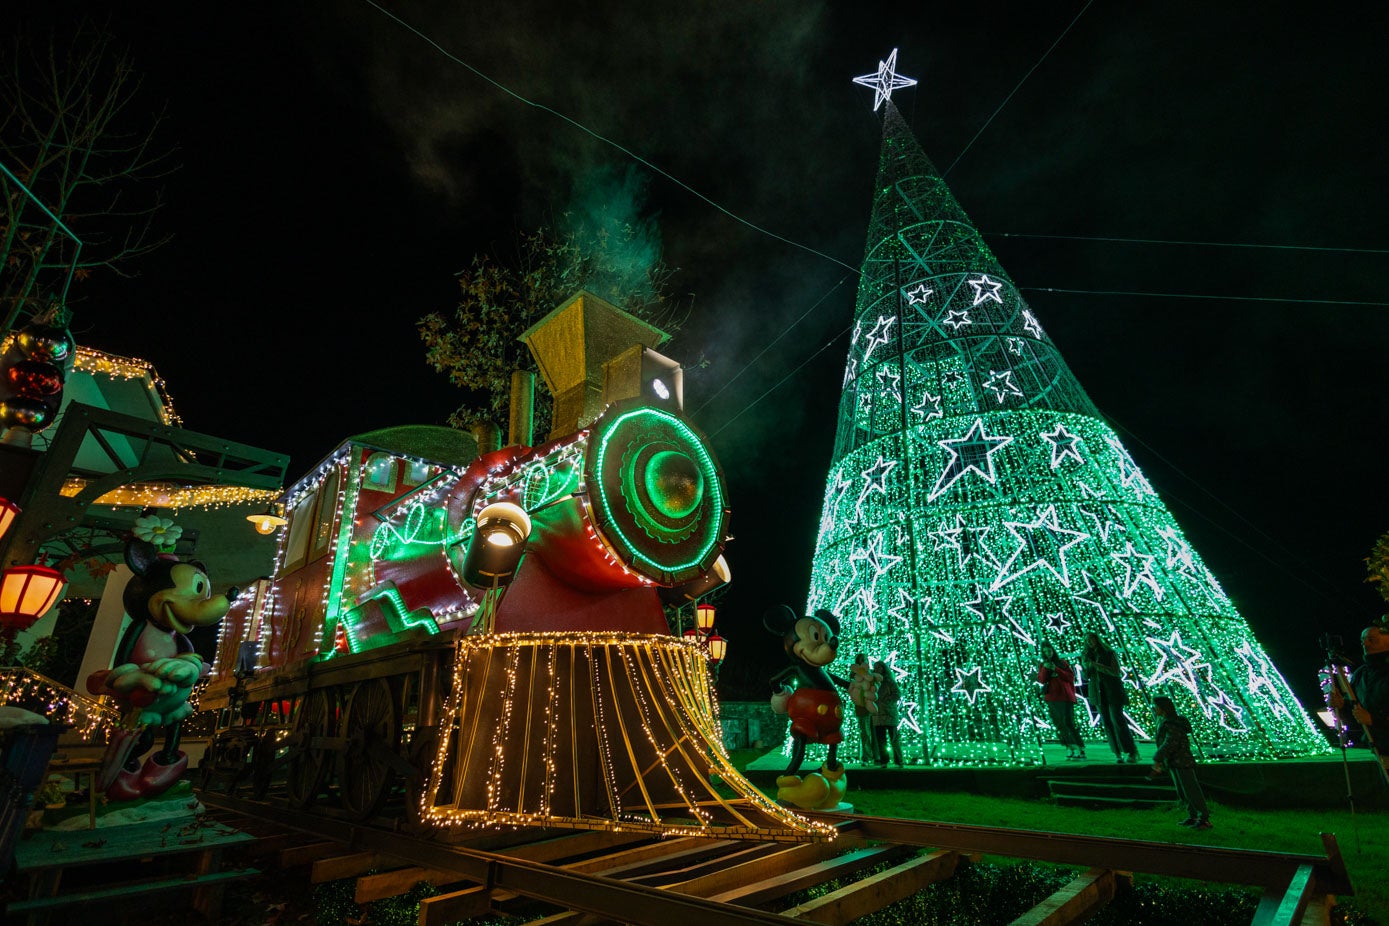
(66,134)
(476,344)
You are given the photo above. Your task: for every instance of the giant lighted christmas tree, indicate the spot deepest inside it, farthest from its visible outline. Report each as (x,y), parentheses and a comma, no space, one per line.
(977,505)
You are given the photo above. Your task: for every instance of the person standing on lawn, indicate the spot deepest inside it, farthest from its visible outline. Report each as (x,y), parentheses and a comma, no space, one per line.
(1174,755)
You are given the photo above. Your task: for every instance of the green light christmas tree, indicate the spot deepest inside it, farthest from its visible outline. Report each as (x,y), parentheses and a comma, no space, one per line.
(977,505)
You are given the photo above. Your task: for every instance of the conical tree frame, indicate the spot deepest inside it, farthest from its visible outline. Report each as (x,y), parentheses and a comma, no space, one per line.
(977,504)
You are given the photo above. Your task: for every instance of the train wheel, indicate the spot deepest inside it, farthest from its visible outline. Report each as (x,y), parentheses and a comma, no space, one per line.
(372,729)
(308,767)
(263,765)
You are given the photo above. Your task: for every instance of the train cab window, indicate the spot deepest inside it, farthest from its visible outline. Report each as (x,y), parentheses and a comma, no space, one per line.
(300,529)
(378,473)
(416,472)
(324,518)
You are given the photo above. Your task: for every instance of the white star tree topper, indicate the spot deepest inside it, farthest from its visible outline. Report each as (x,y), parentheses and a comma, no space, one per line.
(884,81)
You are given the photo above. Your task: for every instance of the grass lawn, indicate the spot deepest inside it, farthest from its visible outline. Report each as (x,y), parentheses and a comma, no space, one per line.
(1367,858)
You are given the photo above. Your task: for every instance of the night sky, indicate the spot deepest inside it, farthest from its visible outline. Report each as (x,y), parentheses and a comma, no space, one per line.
(338,171)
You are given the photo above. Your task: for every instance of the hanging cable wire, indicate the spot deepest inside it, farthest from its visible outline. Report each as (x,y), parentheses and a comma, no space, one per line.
(1116,292)
(1243,541)
(945,173)
(784,332)
(608,141)
(778,383)
(1204,244)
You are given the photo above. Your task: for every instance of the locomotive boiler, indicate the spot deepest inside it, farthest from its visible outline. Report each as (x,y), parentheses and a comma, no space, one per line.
(481,632)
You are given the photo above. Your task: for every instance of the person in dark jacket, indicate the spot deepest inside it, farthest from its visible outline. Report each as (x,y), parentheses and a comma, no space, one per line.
(1105,682)
(1058,691)
(1370,685)
(885,721)
(1174,755)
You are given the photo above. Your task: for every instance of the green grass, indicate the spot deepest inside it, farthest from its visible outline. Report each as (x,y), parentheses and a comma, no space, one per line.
(1366,857)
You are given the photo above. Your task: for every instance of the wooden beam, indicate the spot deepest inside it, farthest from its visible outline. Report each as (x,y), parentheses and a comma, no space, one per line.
(642,853)
(562,847)
(1285,906)
(1074,903)
(872,894)
(343,866)
(302,855)
(395,883)
(759,892)
(452,908)
(1318,912)
(745,852)
(758,869)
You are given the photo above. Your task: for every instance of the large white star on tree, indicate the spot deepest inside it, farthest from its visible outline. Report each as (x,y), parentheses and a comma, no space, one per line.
(875,478)
(952,377)
(1099,597)
(985,289)
(972,453)
(1179,553)
(928,407)
(1258,684)
(970,684)
(996,611)
(1140,576)
(878,561)
(918,294)
(901,612)
(891,380)
(850,371)
(1177,662)
(966,540)
(1130,476)
(1047,542)
(956,319)
(1106,517)
(884,81)
(881,333)
(1063,445)
(1014,345)
(1000,383)
(1030,324)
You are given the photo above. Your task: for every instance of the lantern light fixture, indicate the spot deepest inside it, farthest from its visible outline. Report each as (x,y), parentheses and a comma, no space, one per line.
(268,521)
(8,512)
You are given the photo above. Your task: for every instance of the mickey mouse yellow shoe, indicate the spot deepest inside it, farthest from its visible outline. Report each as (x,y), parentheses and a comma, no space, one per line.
(805,793)
(837,783)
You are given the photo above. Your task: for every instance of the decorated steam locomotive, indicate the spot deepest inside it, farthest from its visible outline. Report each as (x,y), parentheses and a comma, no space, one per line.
(481,631)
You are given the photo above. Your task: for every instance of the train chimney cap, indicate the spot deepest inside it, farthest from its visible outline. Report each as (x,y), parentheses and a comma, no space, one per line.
(571,344)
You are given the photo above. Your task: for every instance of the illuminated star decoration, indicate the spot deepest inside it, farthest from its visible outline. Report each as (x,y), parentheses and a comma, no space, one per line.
(956,319)
(1179,553)
(1047,542)
(1174,665)
(917,294)
(885,80)
(881,334)
(996,611)
(1014,345)
(1258,683)
(1030,324)
(891,380)
(952,377)
(1000,383)
(875,478)
(1105,525)
(1129,474)
(1063,445)
(928,407)
(985,289)
(1058,623)
(850,371)
(972,453)
(970,684)
(901,612)
(1099,597)
(1134,578)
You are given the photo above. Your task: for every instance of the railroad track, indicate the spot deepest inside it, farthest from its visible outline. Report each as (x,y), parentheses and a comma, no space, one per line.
(634,878)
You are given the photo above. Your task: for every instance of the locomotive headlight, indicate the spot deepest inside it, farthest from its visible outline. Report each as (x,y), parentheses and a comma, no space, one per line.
(495,550)
(660,389)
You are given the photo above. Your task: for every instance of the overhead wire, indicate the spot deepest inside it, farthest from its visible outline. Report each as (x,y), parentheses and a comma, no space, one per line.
(607,141)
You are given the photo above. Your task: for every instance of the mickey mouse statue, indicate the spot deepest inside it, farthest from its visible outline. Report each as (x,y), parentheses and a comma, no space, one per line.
(814,707)
(155,668)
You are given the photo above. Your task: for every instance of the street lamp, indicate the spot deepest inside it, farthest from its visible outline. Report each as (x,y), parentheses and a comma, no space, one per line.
(715,647)
(268,521)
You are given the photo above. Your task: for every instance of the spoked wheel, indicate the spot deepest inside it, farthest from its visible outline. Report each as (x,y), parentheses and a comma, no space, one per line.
(372,729)
(263,764)
(308,767)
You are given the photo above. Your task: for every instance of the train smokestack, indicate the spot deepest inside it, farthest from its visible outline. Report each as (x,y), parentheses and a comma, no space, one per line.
(575,347)
(522,425)
(487,435)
